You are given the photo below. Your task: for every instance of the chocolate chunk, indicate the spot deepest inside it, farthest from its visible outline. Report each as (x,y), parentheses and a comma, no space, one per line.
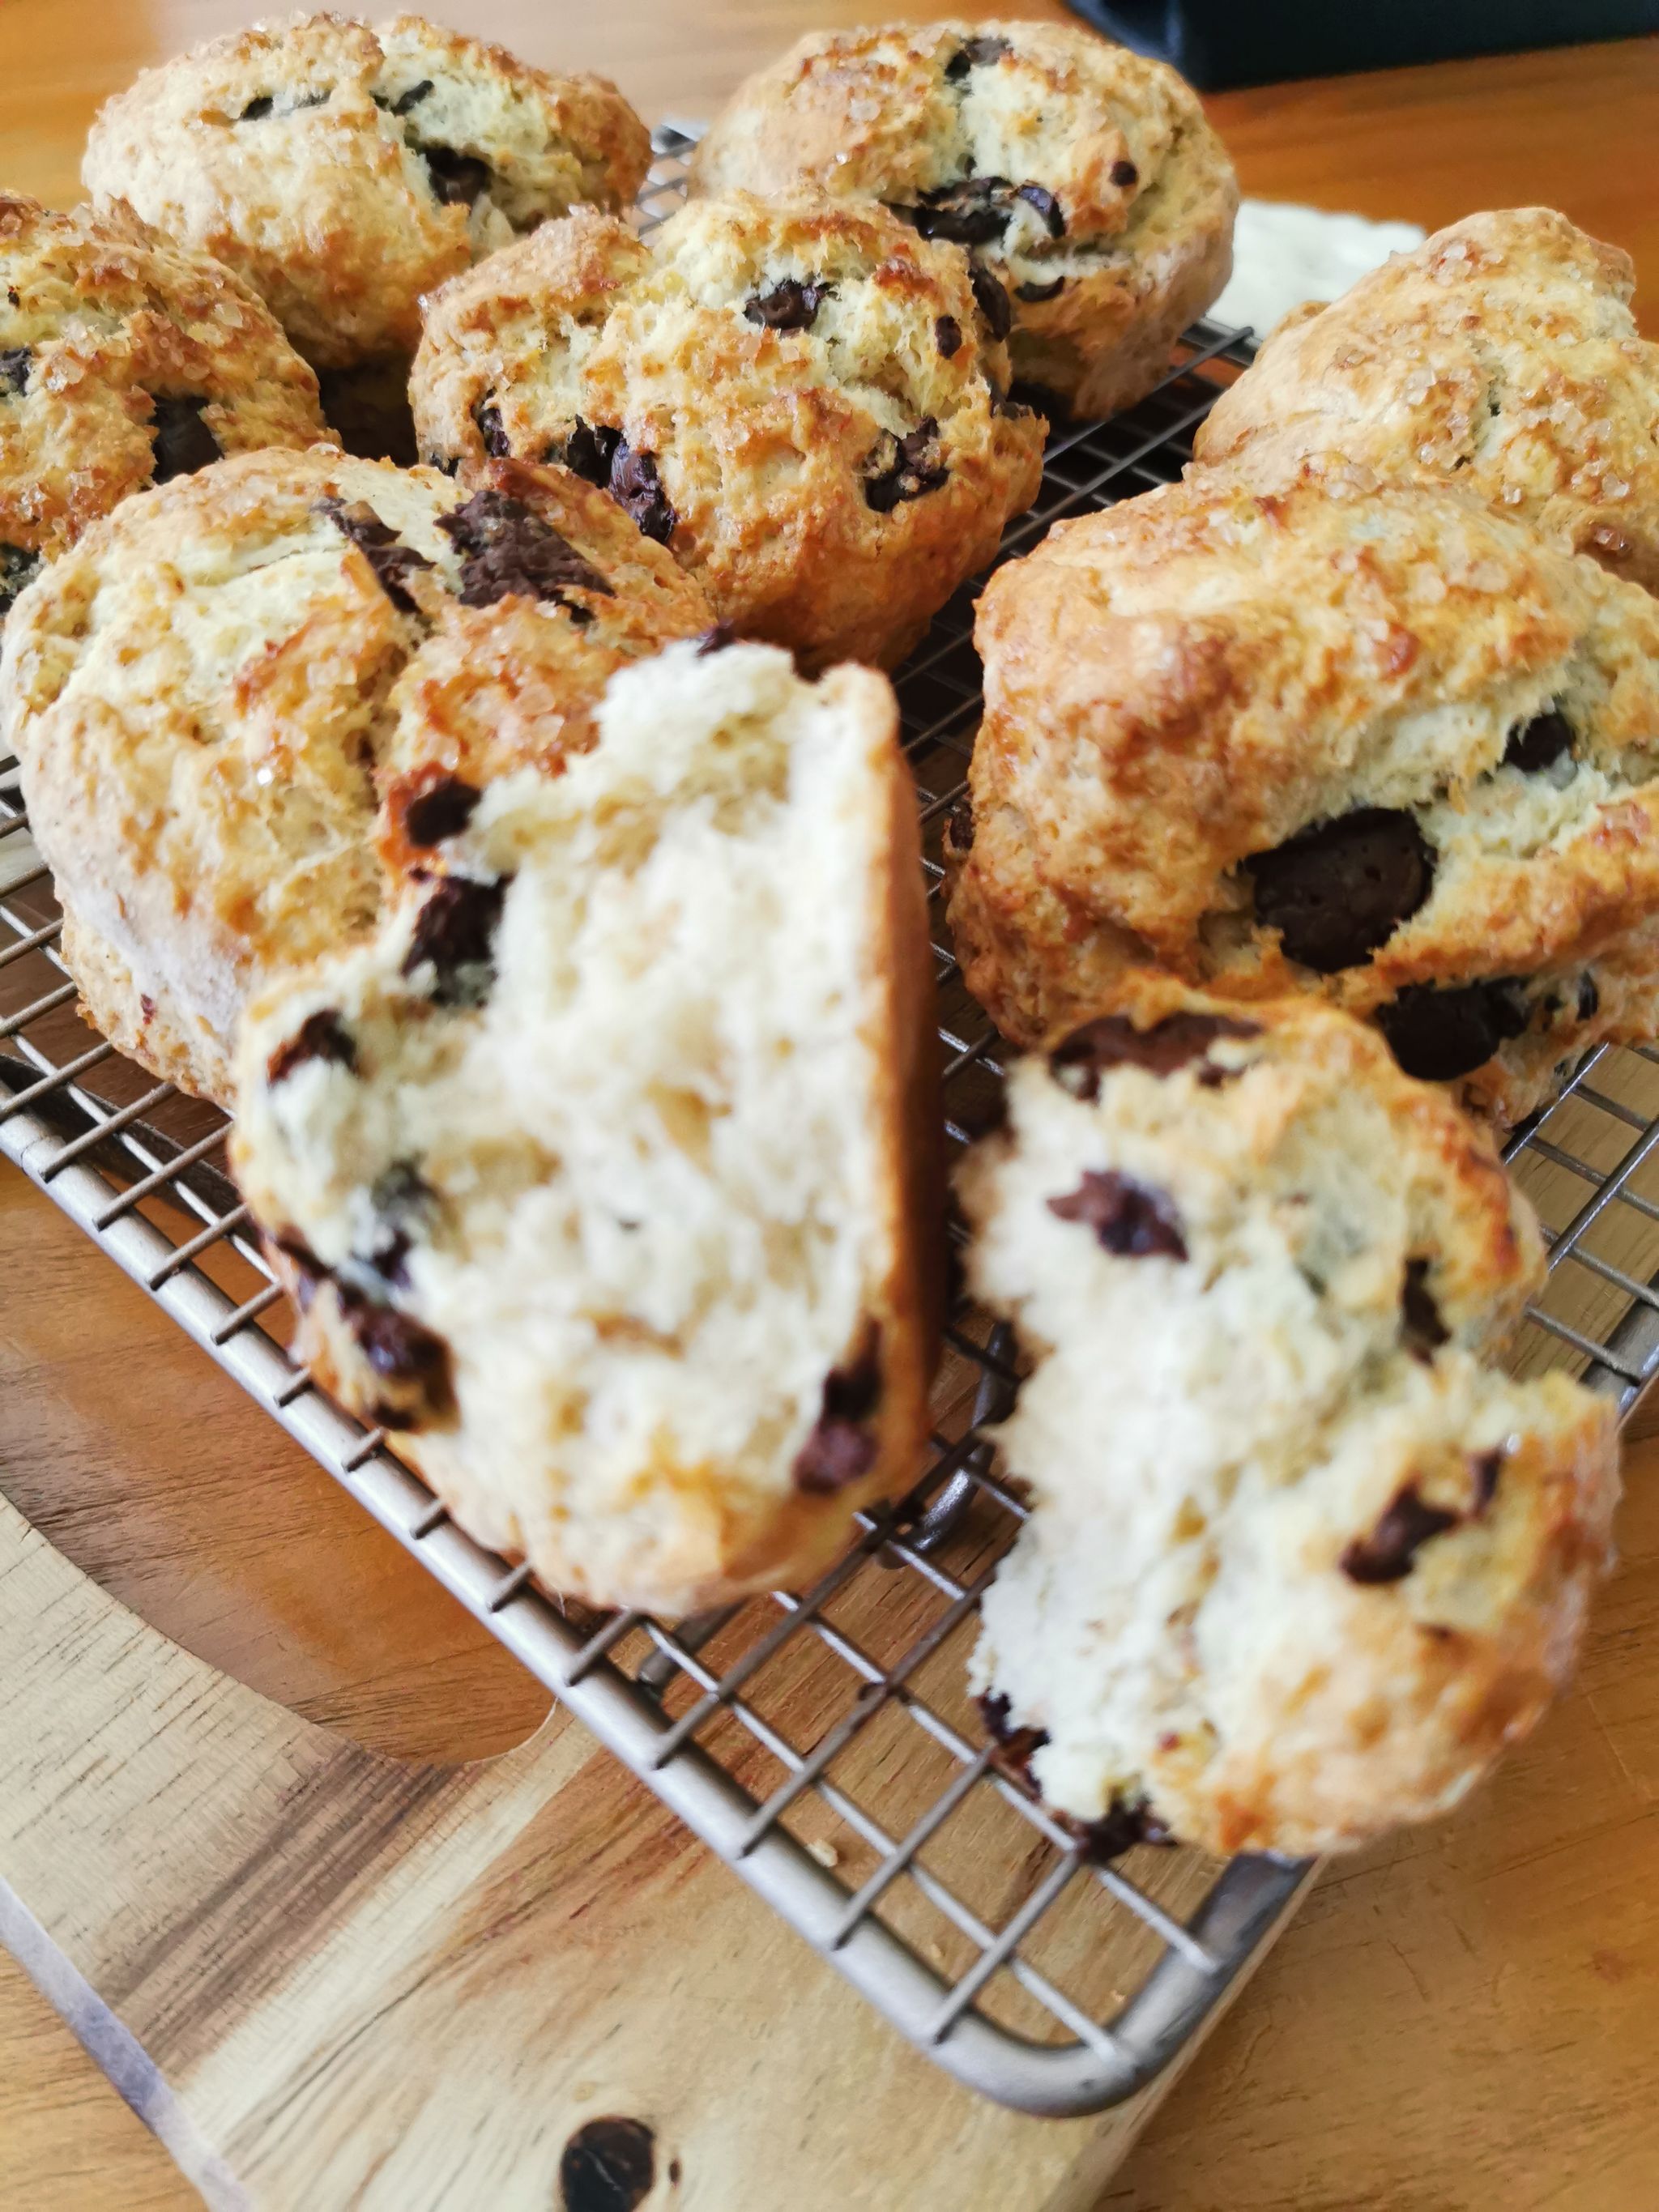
(1015,1745)
(403,1203)
(455,931)
(412,98)
(716,640)
(1589,998)
(1127,1217)
(456,179)
(1124,173)
(182,440)
(257,110)
(506,548)
(1129,1822)
(1539,744)
(992,300)
(1337,891)
(1440,1035)
(322,1036)
(976,53)
(973,212)
(897,468)
(608,2166)
(1040,198)
(1484,1468)
(589,451)
(448,465)
(14,369)
(1422,1330)
(385,553)
(1388,1554)
(19,568)
(1113,1041)
(789,306)
(636,488)
(404,1352)
(1033,293)
(487,416)
(960,825)
(443,809)
(947,336)
(310,1274)
(840,1449)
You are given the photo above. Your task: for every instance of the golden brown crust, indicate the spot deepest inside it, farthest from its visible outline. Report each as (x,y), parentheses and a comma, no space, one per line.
(763,441)
(1194,678)
(296,152)
(1501,354)
(1141,183)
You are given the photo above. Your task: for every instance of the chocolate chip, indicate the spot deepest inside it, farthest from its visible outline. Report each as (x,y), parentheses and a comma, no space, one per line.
(1422,1330)
(637,488)
(1589,998)
(443,809)
(14,369)
(1387,1555)
(506,548)
(973,212)
(789,306)
(609,2165)
(840,1449)
(449,465)
(19,568)
(897,468)
(1129,1822)
(1125,173)
(401,1351)
(1129,1218)
(391,561)
(589,451)
(1033,293)
(1337,891)
(183,442)
(960,825)
(1539,744)
(455,932)
(456,179)
(412,98)
(257,110)
(992,300)
(403,1203)
(716,640)
(1484,1468)
(947,336)
(1015,1745)
(309,1272)
(1440,1035)
(1040,198)
(322,1036)
(1079,1061)
(976,53)
(487,416)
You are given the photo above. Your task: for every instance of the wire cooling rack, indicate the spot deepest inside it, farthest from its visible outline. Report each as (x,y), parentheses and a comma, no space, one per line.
(822,1743)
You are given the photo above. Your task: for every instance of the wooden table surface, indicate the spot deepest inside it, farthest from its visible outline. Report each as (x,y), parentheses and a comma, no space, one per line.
(1464,2019)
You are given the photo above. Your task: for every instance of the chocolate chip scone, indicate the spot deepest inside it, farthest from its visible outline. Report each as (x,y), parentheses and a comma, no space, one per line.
(1501,356)
(1389,747)
(125,360)
(346,171)
(204,694)
(1095,200)
(1302,1561)
(803,399)
(605,1174)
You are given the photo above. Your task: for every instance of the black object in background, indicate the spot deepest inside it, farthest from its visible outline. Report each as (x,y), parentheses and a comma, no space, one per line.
(1217,43)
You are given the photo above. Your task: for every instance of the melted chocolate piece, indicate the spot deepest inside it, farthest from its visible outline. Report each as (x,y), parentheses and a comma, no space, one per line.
(183,442)
(973,212)
(14,370)
(1539,744)
(412,98)
(589,451)
(19,568)
(456,179)
(1484,1468)
(840,1448)
(1033,294)
(1113,1041)
(992,300)
(609,2165)
(403,1203)
(637,488)
(1040,198)
(1128,1217)
(1422,1331)
(947,336)
(1337,891)
(455,931)
(1589,998)
(716,640)
(385,553)
(309,1272)
(960,823)
(506,548)
(322,1036)
(257,110)
(488,417)
(976,53)
(1388,1554)
(443,809)
(1126,1824)
(1125,173)
(1440,1035)
(897,468)
(789,306)
(1015,1745)
(404,1352)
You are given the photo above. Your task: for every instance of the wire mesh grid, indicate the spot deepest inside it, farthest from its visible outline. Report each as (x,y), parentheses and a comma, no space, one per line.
(823,1742)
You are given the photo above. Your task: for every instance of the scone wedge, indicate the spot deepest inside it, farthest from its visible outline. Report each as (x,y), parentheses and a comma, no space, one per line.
(1304,1560)
(605,1175)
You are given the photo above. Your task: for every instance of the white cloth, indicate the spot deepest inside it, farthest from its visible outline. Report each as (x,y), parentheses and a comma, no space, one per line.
(1283,255)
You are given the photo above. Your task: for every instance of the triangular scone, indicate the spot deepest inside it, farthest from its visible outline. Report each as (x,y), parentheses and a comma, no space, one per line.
(606,1173)
(1303,1559)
